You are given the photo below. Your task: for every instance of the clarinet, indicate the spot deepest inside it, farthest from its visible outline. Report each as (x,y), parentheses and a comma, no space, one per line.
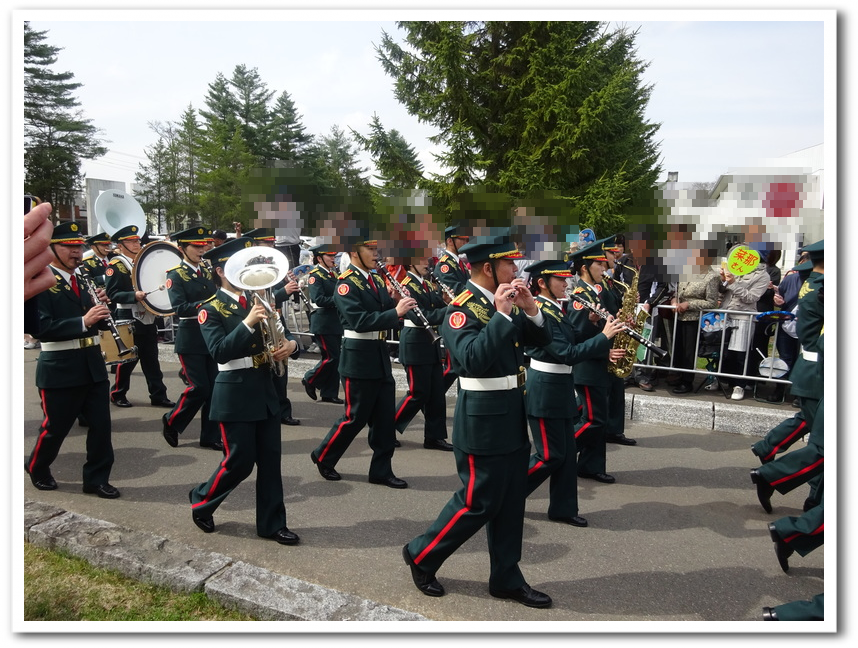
(447,290)
(301,294)
(631,332)
(89,284)
(402,291)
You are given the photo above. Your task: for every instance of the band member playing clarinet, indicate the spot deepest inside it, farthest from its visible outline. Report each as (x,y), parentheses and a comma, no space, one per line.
(71,374)
(366,311)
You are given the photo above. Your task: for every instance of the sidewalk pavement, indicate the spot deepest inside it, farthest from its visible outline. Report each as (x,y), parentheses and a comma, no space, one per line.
(679,537)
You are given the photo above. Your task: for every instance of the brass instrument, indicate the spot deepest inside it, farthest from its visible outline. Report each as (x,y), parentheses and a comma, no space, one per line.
(92,289)
(416,310)
(256,269)
(307,305)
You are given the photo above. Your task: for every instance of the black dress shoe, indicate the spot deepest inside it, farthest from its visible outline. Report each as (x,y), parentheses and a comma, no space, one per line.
(681,389)
(426,583)
(325,471)
(285,537)
(311,391)
(214,445)
(525,595)
(162,402)
(575,520)
(437,444)
(392,482)
(170,435)
(396,443)
(599,477)
(335,401)
(44,483)
(288,420)
(206,525)
(809,503)
(764,490)
(121,402)
(183,377)
(105,491)
(769,614)
(782,550)
(621,439)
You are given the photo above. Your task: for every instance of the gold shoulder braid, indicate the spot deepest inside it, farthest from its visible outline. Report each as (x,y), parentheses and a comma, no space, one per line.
(479,311)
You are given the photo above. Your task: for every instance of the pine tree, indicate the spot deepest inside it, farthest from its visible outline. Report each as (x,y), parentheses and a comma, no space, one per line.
(288,138)
(57,136)
(251,97)
(394,158)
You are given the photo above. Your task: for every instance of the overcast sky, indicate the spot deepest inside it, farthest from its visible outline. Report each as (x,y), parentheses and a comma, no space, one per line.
(728,93)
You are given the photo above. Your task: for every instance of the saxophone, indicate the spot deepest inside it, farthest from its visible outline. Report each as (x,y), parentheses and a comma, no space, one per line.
(622,368)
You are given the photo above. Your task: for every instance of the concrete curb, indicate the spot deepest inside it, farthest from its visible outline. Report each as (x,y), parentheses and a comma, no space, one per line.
(180,567)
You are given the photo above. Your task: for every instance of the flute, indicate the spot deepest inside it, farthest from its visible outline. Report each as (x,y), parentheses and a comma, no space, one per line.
(402,291)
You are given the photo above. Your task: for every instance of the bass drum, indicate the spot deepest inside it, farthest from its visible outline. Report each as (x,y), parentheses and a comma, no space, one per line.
(109,350)
(149,275)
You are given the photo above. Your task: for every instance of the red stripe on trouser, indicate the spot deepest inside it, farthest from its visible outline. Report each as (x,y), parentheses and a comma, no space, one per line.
(447,365)
(325,361)
(184,396)
(220,473)
(545,451)
(409,396)
(817,531)
(589,412)
(468,499)
(346,420)
(801,472)
(42,435)
(787,441)
(116,386)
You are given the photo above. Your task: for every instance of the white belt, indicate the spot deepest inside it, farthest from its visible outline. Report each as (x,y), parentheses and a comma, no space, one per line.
(248,362)
(410,324)
(126,306)
(65,345)
(501,383)
(550,367)
(369,335)
(810,356)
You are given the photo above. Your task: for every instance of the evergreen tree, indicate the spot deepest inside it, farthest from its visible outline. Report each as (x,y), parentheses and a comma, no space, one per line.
(251,97)
(394,158)
(57,136)
(155,179)
(288,138)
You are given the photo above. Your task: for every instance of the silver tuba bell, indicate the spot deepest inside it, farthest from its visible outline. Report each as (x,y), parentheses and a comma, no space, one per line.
(256,270)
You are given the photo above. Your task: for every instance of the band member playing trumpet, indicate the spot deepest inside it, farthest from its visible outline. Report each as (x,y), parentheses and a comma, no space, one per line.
(366,311)
(71,374)
(244,403)
(189,284)
(551,413)
(420,355)
(326,328)
(120,289)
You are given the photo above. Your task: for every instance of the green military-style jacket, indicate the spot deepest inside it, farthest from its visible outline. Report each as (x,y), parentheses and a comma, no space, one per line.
(449,273)
(95,269)
(611,296)
(364,306)
(61,318)
(187,291)
(806,374)
(591,371)
(551,395)
(485,344)
(415,344)
(325,319)
(238,394)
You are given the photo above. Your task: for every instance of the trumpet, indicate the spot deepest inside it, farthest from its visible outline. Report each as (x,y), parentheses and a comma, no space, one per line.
(91,288)
(254,270)
(402,291)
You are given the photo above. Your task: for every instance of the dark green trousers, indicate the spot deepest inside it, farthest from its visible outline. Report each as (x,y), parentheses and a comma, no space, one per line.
(804,533)
(425,392)
(555,458)
(325,375)
(247,444)
(813,610)
(493,495)
(591,430)
(783,435)
(201,371)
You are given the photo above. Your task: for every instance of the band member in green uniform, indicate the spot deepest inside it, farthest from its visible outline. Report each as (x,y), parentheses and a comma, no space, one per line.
(422,358)
(71,374)
(244,403)
(807,380)
(486,329)
(593,382)
(325,326)
(450,269)
(551,413)
(96,265)
(366,311)
(189,284)
(120,290)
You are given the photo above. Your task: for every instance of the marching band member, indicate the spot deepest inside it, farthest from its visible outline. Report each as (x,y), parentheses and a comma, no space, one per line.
(367,312)
(121,291)
(96,265)
(485,329)
(244,403)
(551,413)
(71,374)
(189,284)
(450,269)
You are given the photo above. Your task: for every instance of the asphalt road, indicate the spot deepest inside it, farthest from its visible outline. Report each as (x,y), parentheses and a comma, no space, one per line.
(679,537)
